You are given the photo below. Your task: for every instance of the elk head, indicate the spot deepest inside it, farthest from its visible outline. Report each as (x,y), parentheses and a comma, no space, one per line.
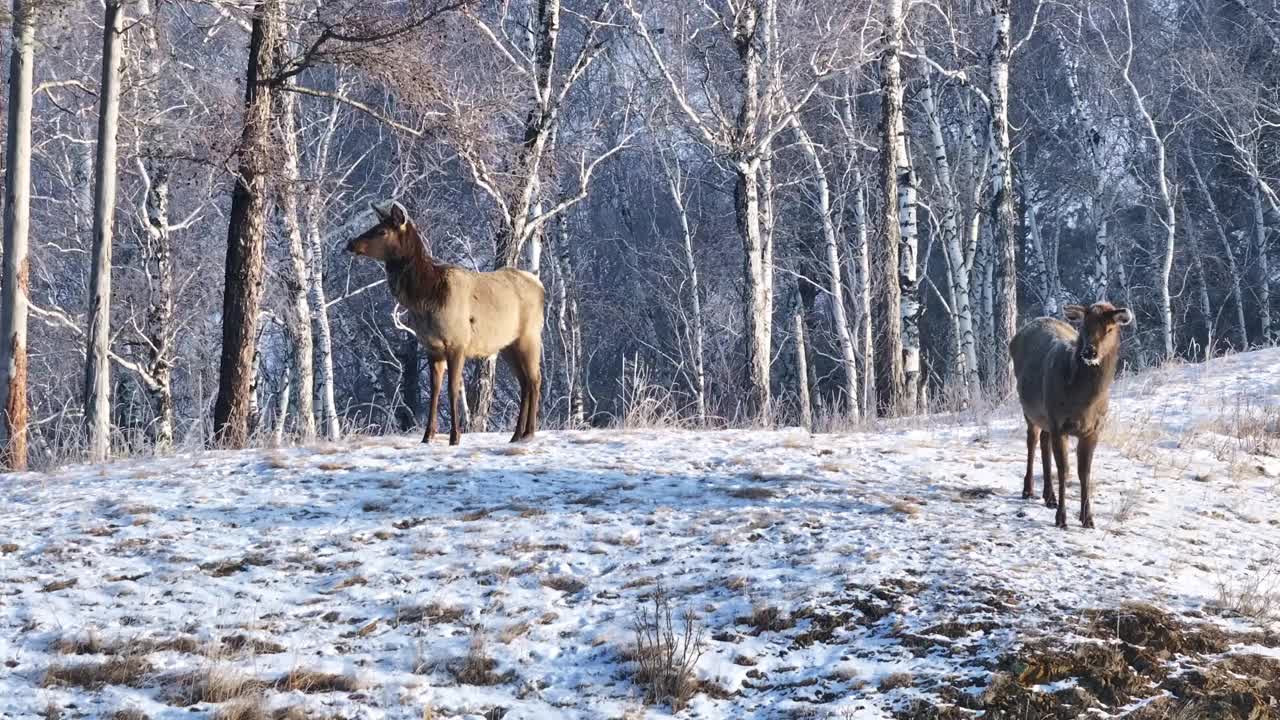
(1099,326)
(391,238)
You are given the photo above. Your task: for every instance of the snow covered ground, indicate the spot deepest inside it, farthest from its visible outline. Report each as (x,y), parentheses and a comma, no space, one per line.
(840,575)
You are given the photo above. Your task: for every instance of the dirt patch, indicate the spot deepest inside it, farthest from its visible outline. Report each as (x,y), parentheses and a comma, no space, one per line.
(1123,656)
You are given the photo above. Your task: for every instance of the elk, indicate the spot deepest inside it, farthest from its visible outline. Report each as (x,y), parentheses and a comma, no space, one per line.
(1064,382)
(459,314)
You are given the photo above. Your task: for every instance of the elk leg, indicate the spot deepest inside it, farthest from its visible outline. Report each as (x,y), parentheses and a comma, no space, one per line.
(1084,467)
(514,361)
(535,395)
(455,388)
(437,379)
(1032,435)
(1060,456)
(1046,461)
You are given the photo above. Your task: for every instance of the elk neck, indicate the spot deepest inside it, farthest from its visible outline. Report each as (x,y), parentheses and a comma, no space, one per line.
(416,282)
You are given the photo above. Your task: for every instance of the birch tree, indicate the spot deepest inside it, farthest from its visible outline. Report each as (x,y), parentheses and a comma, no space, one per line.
(891,307)
(97,368)
(1004,223)
(15,281)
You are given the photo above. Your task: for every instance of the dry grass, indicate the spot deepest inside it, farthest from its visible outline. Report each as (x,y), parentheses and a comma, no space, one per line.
(752,493)
(431,612)
(312,681)
(91,643)
(247,708)
(513,632)
(564,583)
(895,681)
(1254,594)
(905,506)
(477,668)
(665,653)
(127,670)
(129,714)
(215,683)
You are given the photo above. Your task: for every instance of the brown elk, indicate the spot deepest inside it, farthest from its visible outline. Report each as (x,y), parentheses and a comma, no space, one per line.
(459,314)
(1064,381)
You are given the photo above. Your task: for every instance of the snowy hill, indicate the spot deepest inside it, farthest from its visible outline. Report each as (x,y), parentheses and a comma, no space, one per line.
(894,573)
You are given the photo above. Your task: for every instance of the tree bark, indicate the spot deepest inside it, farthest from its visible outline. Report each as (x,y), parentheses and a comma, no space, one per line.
(891,390)
(1264,265)
(1237,292)
(802,365)
(1004,223)
(957,263)
(318,300)
(157,256)
(1202,284)
(296,278)
(97,363)
(696,324)
(246,237)
(15,282)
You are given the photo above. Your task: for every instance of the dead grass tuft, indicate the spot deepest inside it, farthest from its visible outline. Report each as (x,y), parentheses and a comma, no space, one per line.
(665,654)
(752,493)
(767,618)
(127,670)
(431,612)
(129,714)
(248,708)
(215,683)
(312,681)
(564,583)
(477,668)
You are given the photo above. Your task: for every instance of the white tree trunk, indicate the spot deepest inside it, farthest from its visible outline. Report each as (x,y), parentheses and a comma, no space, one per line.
(318,302)
(1264,265)
(1004,224)
(802,366)
(1237,291)
(15,283)
(158,260)
(862,265)
(891,385)
(97,363)
(297,279)
(1202,285)
(957,264)
(696,325)
(835,283)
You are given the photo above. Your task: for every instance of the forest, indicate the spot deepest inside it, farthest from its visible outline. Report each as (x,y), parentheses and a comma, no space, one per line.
(744,212)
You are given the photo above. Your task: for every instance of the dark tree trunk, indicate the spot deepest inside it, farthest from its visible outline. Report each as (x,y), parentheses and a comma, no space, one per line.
(246,238)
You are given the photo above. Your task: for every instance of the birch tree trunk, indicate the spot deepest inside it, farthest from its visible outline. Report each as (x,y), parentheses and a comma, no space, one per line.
(1264,265)
(15,283)
(1237,292)
(862,263)
(1202,284)
(835,283)
(1091,142)
(891,386)
(1004,223)
(802,366)
(957,264)
(246,237)
(696,325)
(97,363)
(318,301)
(1169,218)
(296,278)
(158,260)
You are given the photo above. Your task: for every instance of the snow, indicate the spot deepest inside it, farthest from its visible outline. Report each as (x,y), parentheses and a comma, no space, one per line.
(383,559)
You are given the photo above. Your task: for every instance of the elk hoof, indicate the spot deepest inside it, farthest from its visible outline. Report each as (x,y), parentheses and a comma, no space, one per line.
(427,438)
(1086,521)
(1050,501)
(455,439)
(1061,520)
(1027,495)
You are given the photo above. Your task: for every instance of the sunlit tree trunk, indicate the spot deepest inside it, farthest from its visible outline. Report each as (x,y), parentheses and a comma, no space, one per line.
(97,364)
(1004,223)
(297,279)
(15,283)
(891,385)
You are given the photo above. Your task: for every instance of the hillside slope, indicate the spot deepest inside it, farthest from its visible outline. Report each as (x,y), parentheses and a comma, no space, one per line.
(894,573)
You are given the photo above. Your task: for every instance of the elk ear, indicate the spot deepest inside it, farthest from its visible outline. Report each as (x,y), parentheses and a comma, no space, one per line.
(398,215)
(1075,313)
(377,211)
(1122,316)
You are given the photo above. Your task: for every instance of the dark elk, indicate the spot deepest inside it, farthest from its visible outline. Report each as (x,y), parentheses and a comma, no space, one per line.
(458,314)
(1064,381)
